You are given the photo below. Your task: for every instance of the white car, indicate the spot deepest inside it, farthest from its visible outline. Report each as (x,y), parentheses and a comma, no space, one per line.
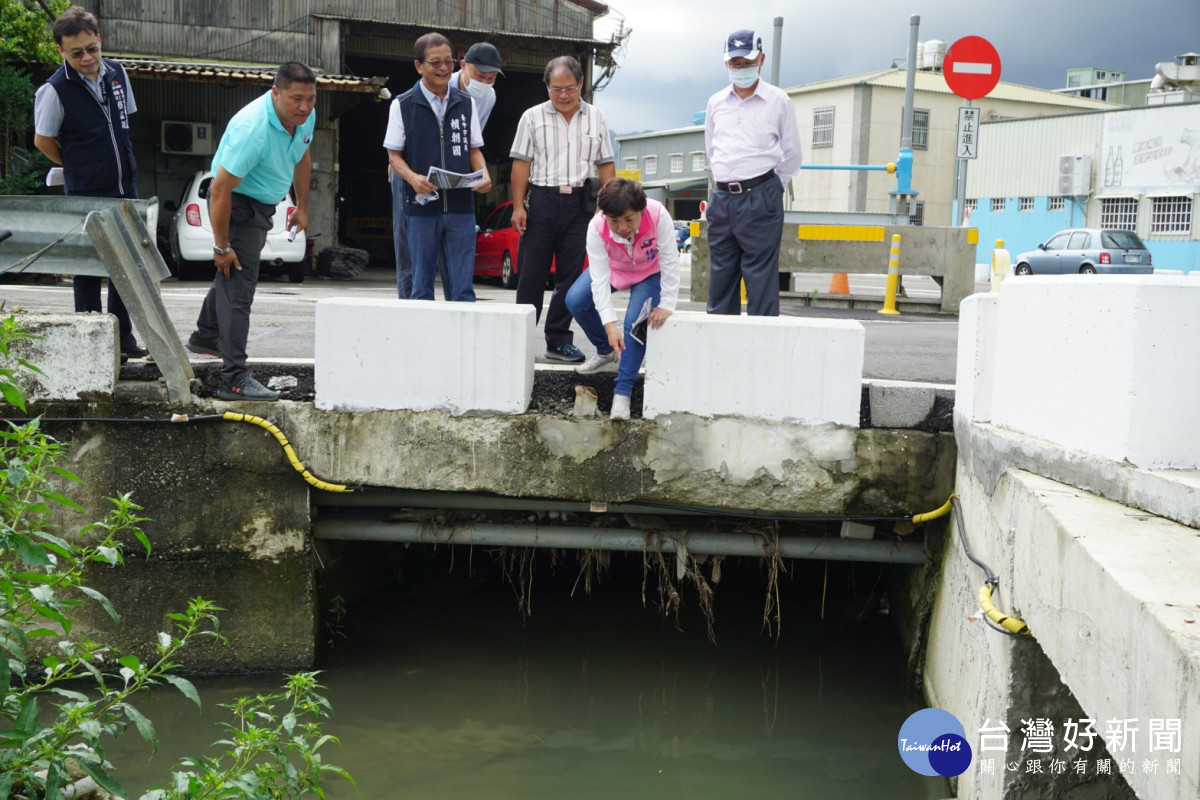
(191,237)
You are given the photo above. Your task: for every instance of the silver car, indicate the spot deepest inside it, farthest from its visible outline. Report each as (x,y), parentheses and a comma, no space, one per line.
(1088,251)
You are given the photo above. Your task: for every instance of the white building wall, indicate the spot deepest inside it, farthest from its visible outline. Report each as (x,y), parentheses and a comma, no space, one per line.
(1030,148)
(934,168)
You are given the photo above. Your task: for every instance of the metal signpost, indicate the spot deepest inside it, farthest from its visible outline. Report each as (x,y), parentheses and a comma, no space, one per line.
(972,69)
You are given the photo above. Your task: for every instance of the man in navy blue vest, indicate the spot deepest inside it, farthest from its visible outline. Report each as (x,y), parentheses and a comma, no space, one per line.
(81,120)
(434,124)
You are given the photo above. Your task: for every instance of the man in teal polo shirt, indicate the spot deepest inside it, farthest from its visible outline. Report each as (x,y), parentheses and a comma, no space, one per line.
(264,151)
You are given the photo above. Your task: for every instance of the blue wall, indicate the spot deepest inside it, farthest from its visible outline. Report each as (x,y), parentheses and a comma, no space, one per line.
(1025,230)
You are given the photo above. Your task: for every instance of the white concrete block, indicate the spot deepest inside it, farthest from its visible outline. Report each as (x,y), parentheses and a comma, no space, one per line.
(1103,364)
(774,368)
(77,354)
(374,354)
(975,370)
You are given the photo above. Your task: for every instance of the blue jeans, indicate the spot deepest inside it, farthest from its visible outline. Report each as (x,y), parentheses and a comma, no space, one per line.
(583,309)
(442,236)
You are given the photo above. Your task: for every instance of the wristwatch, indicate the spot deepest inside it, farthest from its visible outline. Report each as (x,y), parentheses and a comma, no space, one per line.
(222,251)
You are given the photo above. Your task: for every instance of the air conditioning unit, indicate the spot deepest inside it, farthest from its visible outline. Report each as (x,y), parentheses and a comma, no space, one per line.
(1075,175)
(188,138)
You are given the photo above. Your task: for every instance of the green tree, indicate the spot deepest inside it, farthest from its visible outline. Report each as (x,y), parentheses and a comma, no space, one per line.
(25,30)
(25,38)
(58,711)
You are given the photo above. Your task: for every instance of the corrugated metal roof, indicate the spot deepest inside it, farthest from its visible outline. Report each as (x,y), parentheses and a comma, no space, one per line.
(658,134)
(935,83)
(238,73)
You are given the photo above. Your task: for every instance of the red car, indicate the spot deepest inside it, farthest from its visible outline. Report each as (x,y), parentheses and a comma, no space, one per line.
(496,248)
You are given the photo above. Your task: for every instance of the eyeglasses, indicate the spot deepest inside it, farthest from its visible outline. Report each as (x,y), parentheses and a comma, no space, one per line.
(91,50)
(566,91)
(447,64)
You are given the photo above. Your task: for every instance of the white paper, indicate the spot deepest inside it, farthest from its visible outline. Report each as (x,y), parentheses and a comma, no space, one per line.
(639,324)
(445,179)
(54,177)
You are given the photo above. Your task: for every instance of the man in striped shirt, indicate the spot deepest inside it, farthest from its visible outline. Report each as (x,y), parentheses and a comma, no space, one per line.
(753,147)
(558,143)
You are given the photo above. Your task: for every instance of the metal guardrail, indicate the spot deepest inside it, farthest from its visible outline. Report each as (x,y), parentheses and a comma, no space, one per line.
(48,235)
(103,237)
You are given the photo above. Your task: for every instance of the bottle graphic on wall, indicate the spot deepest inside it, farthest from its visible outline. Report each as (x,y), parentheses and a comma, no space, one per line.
(1118,168)
(1108,169)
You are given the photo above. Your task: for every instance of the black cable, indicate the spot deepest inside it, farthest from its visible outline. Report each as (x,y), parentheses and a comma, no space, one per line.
(992,580)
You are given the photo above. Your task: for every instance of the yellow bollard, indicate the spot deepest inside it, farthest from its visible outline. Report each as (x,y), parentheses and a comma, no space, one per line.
(745,299)
(893,281)
(1001,265)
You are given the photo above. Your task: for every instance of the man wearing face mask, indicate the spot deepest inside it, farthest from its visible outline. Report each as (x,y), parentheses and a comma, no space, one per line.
(480,66)
(753,149)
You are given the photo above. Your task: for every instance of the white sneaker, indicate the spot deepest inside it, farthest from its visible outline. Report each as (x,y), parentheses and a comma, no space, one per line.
(620,407)
(599,363)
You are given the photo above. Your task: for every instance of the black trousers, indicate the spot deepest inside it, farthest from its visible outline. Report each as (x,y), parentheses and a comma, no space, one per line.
(225,313)
(556,232)
(87,298)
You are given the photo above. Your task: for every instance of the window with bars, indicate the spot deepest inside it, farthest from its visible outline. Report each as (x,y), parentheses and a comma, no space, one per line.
(1057,203)
(1119,213)
(1171,214)
(650,165)
(630,163)
(1025,204)
(676,163)
(920,129)
(822,127)
(971,205)
(698,161)
(917,213)
(997,204)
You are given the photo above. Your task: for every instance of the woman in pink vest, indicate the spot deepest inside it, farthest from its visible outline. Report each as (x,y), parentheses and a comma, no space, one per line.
(630,245)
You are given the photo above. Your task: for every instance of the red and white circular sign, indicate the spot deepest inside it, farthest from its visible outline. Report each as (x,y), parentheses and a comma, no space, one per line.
(971,67)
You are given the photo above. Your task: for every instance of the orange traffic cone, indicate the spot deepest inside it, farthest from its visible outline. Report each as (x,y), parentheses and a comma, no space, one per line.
(839,284)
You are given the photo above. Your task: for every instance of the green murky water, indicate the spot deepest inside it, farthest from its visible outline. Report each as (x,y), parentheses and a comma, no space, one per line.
(443,691)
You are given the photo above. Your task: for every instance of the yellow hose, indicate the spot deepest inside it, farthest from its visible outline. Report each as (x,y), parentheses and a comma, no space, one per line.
(1010,624)
(999,617)
(268,426)
(941,512)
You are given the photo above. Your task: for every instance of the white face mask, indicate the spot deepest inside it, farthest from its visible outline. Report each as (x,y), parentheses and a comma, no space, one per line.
(479,89)
(744,77)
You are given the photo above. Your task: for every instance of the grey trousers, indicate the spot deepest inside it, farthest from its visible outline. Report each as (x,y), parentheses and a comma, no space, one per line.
(744,234)
(225,313)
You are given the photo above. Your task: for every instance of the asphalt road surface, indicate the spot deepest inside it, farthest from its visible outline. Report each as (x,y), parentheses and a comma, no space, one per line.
(914,347)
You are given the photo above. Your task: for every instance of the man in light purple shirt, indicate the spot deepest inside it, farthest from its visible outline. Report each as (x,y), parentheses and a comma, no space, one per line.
(753,148)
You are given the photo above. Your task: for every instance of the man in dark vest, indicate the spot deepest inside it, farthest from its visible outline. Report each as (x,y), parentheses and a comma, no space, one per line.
(81,121)
(434,124)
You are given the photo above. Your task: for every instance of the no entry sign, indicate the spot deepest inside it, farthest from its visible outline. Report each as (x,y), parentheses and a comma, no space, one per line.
(971,67)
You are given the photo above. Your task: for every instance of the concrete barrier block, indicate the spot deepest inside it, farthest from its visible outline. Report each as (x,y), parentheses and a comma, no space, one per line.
(418,356)
(775,368)
(1102,364)
(975,369)
(900,404)
(78,356)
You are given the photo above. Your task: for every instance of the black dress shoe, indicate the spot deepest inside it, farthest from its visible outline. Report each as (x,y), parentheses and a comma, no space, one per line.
(129,347)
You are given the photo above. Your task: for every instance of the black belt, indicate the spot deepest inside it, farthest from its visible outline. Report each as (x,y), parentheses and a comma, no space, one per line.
(737,187)
(556,189)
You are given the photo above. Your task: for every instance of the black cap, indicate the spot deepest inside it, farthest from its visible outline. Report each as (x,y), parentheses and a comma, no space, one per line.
(484,57)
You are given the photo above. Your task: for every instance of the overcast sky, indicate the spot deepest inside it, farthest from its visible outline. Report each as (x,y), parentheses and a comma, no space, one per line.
(673,60)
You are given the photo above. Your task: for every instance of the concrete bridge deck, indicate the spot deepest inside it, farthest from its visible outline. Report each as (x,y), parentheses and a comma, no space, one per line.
(1088,518)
